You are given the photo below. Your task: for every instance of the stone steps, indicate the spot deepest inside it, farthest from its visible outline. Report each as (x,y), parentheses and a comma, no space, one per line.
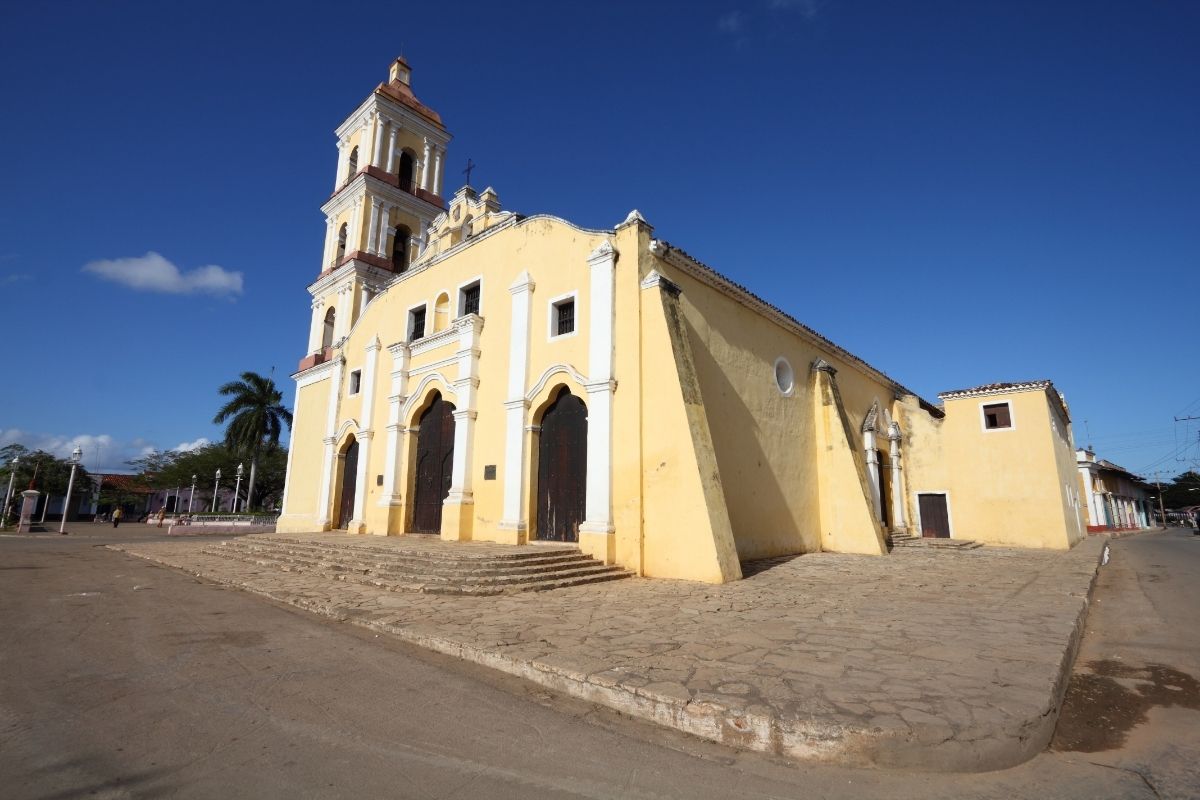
(435,569)
(909,540)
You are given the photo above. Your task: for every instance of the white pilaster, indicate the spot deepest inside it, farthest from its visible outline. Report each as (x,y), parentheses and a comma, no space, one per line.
(392,151)
(516,408)
(354,237)
(377,150)
(364,142)
(894,438)
(330,243)
(398,393)
(316,327)
(385,218)
(373,231)
(465,384)
(437,172)
(287,483)
(366,431)
(343,163)
(601,322)
(873,471)
(335,385)
(425,168)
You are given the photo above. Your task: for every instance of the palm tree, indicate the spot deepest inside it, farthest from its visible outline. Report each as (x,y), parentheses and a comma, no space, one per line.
(256,417)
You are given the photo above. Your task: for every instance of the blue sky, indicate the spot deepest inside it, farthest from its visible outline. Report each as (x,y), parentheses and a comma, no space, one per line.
(958,192)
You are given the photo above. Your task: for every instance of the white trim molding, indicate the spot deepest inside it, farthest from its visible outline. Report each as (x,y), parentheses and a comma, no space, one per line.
(598,516)
(516,408)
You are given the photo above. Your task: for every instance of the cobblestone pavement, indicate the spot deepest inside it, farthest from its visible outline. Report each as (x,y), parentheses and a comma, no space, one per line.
(924,658)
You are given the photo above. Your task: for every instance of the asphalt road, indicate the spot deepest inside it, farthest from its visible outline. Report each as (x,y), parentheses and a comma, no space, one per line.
(119,678)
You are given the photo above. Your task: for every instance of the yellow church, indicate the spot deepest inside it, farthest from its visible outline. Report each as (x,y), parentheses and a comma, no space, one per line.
(479,375)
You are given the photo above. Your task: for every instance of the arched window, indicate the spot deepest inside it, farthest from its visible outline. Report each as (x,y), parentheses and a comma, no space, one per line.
(327,334)
(341,247)
(353,164)
(406,171)
(400,244)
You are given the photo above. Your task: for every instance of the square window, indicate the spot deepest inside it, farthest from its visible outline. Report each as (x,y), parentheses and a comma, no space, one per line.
(469,300)
(416,324)
(564,317)
(355,381)
(996,416)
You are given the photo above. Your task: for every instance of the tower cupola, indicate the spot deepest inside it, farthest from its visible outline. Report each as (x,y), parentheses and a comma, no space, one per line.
(400,72)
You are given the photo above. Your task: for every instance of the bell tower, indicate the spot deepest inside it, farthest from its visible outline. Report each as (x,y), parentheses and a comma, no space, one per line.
(387,191)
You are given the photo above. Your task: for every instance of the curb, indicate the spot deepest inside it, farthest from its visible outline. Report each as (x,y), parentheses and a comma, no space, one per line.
(809,740)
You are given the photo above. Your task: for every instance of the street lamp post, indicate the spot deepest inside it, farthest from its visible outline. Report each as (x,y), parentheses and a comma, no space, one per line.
(76,456)
(216,486)
(236,488)
(192,498)
(8,497)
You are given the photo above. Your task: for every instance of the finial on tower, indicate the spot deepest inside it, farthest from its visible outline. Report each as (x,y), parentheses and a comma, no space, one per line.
(400,71)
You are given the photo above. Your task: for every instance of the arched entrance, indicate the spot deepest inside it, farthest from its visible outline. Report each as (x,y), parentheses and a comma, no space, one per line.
(562,469)
(345,508)
(435,460)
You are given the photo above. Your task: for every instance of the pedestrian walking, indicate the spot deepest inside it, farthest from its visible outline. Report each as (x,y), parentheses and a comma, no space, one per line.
(162,512)
(118,512)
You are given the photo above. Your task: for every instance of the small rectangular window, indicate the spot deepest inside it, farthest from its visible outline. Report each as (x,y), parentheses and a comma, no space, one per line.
(470,300)
(564,317)
(416,324)
(996,416)
(355,381)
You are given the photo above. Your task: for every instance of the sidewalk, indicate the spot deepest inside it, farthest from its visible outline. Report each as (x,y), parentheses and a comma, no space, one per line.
(949,661)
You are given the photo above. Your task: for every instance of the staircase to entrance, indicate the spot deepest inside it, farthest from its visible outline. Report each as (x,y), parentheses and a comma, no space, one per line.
(422,564)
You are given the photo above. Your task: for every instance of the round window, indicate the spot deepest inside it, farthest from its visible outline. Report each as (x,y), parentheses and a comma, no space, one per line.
(785,379)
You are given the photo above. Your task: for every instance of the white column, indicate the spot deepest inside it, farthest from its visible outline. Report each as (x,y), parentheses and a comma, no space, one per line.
(343,163)
(330,243)
(335,386)
(392,469)
(377,150)
(423,239)
(373,231)
(425,162)
(894,438)
(345,305)
(392,151)
(465,385)
(317,326)
(1085,477)
(385,218)
(872,470)
(516,408)
(602,317)
(364,142)
(355,233)
(437,172)
(366,431)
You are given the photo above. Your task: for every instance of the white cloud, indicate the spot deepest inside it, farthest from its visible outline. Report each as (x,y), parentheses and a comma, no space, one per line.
(153,273)
(187,447)
(101,452)
(14,277)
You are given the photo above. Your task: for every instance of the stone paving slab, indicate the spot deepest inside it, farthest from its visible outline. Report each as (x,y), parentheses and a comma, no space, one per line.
(949,661)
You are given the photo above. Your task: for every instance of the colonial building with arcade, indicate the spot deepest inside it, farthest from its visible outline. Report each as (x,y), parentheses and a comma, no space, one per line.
(475,374)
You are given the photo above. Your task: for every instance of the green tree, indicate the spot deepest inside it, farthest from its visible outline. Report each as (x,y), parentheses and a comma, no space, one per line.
(1183,491)
(255,415)
(45,471)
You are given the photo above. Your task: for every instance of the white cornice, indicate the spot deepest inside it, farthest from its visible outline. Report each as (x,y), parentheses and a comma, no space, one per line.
(433,341)
(394,112)
(357,188)
(347,272)
(710,277)
(313,374)
(986,391)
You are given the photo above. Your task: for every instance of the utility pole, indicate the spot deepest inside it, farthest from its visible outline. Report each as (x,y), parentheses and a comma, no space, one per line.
(1161,509)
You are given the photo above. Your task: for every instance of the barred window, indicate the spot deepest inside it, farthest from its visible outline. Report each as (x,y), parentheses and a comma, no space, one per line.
(470,299)
(416,324)
(564,317)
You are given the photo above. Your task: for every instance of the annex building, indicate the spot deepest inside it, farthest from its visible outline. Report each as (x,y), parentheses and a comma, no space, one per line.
(475,374)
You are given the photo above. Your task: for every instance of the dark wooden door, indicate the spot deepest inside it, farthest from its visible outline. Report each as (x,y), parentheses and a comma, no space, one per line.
(562,470)
(882,472)
(349,484)
(935,518)
(435,463)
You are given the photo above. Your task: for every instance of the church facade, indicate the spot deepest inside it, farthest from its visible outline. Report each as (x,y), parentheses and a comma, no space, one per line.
(476,374)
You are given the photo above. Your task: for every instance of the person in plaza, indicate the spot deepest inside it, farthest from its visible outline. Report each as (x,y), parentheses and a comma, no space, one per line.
(117,513)
(162,512)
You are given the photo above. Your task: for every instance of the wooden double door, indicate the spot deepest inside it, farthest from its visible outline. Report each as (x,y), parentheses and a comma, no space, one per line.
(345,507)
(562,469)
(434,467)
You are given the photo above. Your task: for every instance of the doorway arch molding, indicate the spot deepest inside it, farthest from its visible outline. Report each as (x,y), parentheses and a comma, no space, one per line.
(419,397)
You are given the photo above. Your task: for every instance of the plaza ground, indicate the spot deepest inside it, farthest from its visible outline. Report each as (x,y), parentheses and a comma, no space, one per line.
(131,680)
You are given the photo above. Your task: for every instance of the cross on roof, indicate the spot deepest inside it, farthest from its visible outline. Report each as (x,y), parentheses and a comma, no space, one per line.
(470,166)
